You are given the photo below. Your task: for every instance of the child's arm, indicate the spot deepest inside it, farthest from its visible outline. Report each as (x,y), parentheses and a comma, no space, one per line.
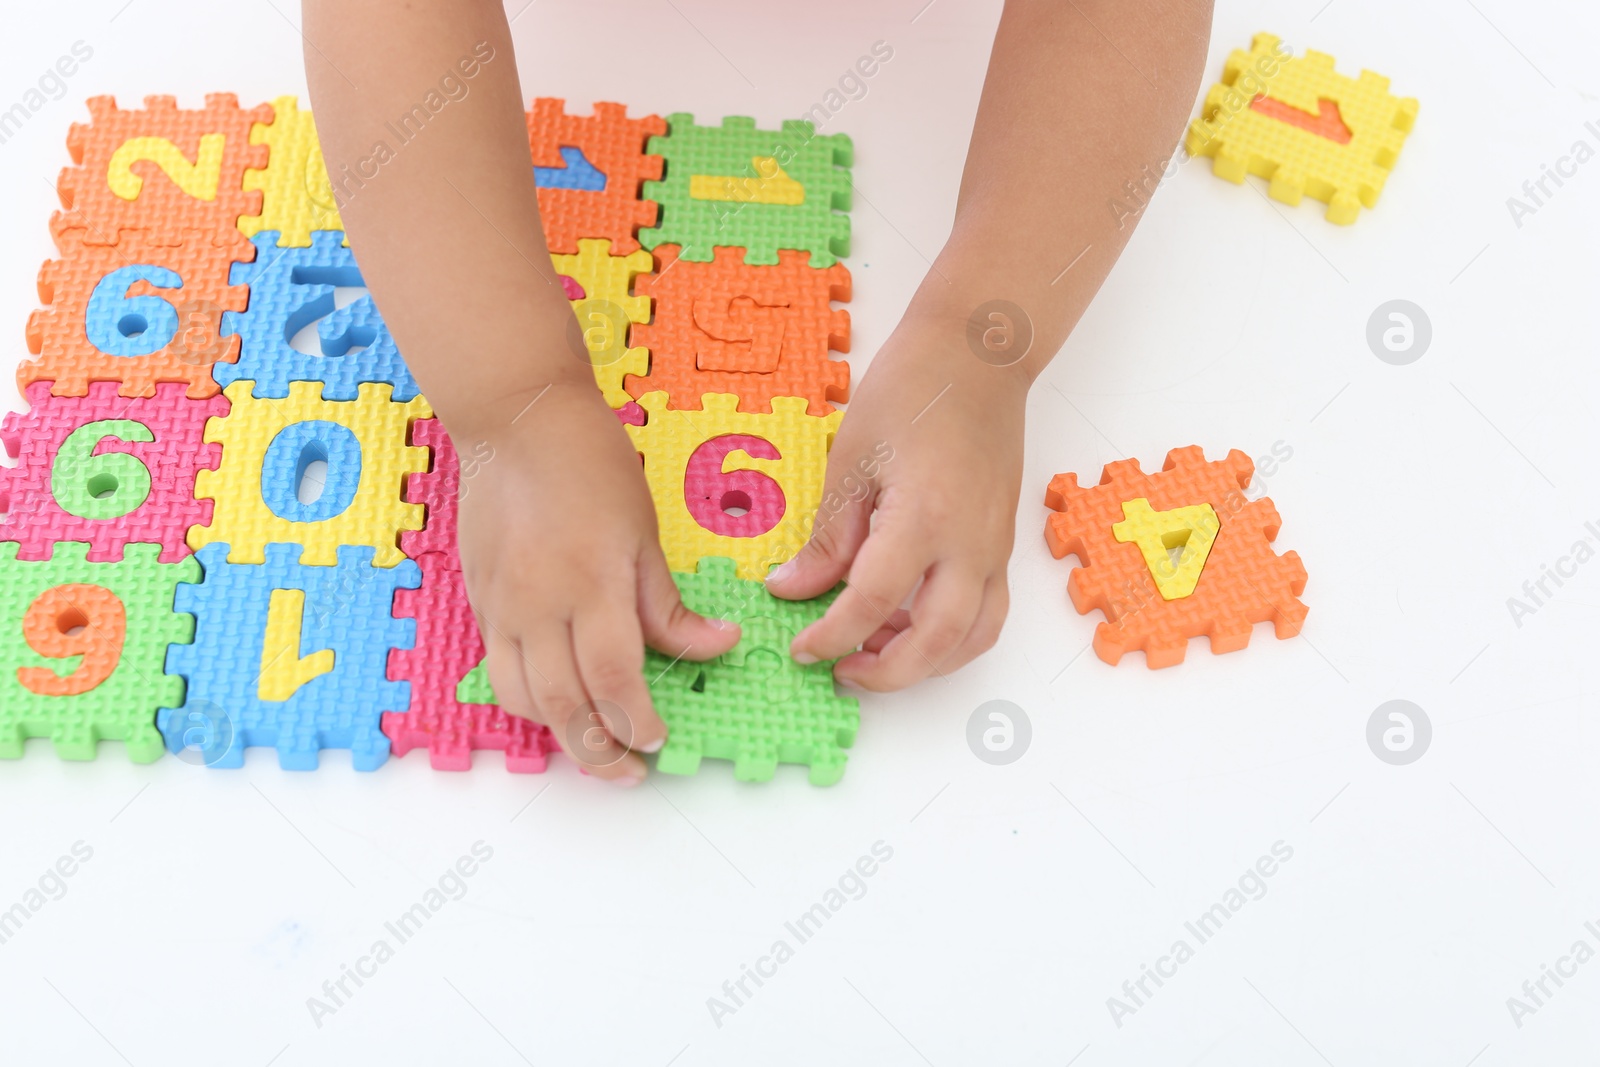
(1080,97)
(557,531)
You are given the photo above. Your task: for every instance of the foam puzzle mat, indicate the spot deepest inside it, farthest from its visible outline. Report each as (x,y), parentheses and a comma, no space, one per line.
(168,580)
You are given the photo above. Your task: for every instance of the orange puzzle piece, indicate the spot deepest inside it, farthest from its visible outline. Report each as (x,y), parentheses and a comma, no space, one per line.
(612,145)
(755,331)
(1243,581)
(161,170)
(140,312)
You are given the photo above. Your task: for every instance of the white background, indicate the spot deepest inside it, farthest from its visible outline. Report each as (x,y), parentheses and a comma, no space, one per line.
(1019,898)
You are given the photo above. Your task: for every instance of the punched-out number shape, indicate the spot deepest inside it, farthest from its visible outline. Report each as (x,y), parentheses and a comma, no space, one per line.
(132,312)
(283,669)
(750,334)
(1174,543)
(104,486)
(1326,123)
(340,330)
(87,622)
(200,179)
(736,503)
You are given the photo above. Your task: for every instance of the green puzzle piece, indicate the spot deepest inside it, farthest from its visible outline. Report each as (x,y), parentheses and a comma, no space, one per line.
(74,635)
(753,705)
(763,190)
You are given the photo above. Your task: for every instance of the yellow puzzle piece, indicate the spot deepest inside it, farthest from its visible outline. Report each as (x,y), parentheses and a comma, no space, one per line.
(1309,130)
(296,197)
(362,441)
(688,499)
(605,310)
(1191,529)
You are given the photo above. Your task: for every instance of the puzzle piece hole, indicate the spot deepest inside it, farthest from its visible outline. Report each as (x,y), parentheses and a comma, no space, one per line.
(736,502)
(699,683)
(72,621)
(102,485)
(133,325)
(311,474)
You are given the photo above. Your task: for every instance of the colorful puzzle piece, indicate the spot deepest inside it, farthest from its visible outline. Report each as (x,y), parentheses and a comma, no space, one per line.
(83,646)
(160,170)
(296,197)
(1309,130)
(442,718)
(762,190)
(291,289)
(1242,581)
(139,312)
(290,656)
(612,147)
(758,332)
(267,445)
(705,466)
(605,308)
(105,470)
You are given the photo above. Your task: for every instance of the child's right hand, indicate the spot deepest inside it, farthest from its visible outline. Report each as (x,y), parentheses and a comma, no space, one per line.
(565,573)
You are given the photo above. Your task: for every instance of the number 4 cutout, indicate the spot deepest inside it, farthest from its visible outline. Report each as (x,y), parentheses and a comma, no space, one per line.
(1174,543)
(283,669)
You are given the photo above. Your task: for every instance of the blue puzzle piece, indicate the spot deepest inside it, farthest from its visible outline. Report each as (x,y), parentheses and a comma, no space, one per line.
(578,173)
(347,608)
(290,288)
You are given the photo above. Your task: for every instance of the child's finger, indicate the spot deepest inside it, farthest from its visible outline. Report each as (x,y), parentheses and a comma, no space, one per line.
(581,727)
(884,572)
(507,676)
(826,556)
(941,618)
(900,620)
(668,626)
(610,654)
(985,628)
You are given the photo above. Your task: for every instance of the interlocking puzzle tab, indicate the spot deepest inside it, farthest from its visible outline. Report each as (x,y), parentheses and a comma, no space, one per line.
(757,332)
(589,169)
(83,646)
(1120,531)
(762,190)
(290,656)
(1309,130)
(106,471)
(706,466)
(296,197)
(161,170)
(138,313)
(291,289)
(267,445)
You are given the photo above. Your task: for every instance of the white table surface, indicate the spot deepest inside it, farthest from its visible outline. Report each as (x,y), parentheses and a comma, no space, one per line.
(1018,898)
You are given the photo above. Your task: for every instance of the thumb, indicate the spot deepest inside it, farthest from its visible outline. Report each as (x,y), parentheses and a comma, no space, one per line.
(826,557)
(670,627)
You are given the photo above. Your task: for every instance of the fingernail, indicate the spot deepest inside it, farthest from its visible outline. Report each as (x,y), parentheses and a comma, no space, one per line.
(783,571)
(854,687)
(627,782)
(653,746)
(804,658)
(723,624)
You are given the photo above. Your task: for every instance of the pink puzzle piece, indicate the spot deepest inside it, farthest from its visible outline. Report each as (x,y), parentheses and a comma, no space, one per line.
(447,648)
(72,482)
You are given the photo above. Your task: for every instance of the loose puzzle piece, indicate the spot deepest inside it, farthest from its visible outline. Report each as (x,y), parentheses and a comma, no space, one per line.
(83,646)
(291,289)
(589,169)
(763,190)
(442,720)
(105,470)
(160,170)
(267,445)
(704,466)
(289,656)
(755,331)
(605,308)
(1309,130)
(140,312)
(753,705)
(1242,582)
(296,197)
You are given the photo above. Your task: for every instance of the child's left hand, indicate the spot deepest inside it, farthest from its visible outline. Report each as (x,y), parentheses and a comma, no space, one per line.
(945,500)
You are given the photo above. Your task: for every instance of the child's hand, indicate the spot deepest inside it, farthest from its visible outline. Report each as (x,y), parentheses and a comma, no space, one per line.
(563,568)
(942,473)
